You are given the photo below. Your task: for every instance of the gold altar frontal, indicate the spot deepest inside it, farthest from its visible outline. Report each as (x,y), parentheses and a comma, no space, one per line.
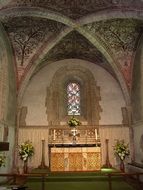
(75,158)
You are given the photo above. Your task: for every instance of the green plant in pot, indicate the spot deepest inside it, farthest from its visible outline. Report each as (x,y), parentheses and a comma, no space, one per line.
(2,160)
(122,151)
(26,151)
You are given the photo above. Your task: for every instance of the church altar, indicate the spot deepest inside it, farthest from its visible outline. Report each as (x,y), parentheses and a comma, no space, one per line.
(79,157)
(57,135)
(74,149)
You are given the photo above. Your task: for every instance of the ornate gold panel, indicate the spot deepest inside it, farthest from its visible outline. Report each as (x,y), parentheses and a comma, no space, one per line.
(57,162)
(75,162)
(93,161)
(75,159)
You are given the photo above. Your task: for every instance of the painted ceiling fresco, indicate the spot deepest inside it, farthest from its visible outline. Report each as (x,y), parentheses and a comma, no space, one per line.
(76,8)
(74,45)
(27,35)
(30,35)
(121,36)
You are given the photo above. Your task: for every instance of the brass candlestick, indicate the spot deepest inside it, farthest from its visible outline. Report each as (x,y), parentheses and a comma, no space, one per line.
(107,164)
(43,165)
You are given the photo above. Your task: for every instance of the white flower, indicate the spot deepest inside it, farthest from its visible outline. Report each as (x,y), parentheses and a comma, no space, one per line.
(121,149)
(26,150)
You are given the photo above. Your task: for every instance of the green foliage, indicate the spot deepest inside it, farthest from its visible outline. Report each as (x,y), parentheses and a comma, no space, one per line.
(121,149)
(73,122)
(26,150)
(2,160)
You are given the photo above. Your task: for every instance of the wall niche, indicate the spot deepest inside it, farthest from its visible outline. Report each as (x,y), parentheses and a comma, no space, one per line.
(56,99)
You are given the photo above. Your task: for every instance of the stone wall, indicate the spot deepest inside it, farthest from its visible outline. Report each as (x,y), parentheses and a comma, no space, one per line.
(35,95)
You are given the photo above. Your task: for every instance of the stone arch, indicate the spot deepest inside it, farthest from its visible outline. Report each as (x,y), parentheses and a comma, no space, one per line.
(101,47)
(56,95)
(36,12)
(7,80)
(32,67)
(8,104)
(137,87)
(109,56)
(76,25)
(94,17)
(112,14)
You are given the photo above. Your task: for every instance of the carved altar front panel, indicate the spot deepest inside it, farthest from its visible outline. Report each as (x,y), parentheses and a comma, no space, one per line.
(75,159)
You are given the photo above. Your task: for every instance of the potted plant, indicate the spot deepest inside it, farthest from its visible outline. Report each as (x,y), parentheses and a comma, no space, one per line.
(122,151)
(26,151)
(73,122)
(2,160)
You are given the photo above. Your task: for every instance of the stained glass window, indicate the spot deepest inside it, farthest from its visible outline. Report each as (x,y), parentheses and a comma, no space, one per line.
(73,96)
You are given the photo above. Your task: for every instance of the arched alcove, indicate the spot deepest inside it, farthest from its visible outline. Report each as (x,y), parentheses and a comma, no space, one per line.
(56,101)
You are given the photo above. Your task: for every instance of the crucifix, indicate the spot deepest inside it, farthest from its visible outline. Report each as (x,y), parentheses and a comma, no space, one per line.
(74,133)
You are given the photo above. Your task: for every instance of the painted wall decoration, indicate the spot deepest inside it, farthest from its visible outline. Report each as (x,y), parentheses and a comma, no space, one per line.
(31,35)
(121,36)
(27,35)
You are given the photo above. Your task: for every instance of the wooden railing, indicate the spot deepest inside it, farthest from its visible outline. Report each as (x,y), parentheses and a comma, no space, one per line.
(42,178)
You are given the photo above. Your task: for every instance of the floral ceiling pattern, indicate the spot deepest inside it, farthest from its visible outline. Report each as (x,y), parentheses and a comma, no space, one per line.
(30,35)
(74,45)
(76,8)
(121,36)
(27,35)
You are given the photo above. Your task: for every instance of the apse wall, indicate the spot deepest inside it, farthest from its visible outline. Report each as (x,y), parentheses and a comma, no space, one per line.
(34,98)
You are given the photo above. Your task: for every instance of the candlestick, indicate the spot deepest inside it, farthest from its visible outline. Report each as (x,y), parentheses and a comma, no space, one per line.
(43,165)
(108,165)
(95,134)
(54,135)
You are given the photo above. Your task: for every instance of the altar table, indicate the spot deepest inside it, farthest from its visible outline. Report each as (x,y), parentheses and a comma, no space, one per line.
(75,158)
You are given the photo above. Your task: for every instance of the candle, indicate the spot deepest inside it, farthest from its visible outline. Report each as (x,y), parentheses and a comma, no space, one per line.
(95,134)
(54,136)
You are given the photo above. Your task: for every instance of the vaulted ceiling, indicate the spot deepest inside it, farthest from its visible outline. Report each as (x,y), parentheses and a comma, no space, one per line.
(105,32)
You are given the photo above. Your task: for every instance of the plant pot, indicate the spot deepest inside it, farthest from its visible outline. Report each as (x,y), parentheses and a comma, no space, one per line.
(25,167)
(122,166)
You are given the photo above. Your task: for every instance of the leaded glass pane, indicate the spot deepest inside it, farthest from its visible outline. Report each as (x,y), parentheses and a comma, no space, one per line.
(73,93)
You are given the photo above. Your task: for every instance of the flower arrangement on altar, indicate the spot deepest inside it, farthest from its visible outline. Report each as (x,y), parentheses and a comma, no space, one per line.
(26,150)
(121,149)
(73,122)
(2,160)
